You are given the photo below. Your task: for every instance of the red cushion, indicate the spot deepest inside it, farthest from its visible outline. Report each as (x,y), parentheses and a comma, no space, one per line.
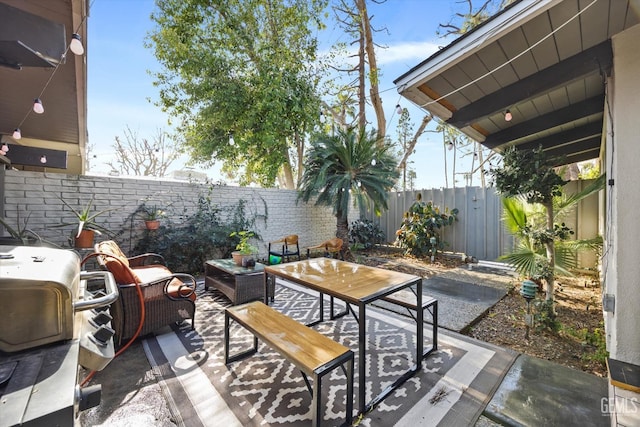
(121,273)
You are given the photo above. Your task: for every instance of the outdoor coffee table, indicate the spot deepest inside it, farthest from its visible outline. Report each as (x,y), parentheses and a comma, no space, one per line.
(239,284)
(357,285)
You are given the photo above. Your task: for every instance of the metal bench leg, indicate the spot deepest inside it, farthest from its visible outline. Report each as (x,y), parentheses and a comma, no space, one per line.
(227,358)
(316,401)
(349,375)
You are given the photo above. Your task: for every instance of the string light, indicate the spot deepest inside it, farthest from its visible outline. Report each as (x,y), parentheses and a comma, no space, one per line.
(398,109)
(373,162)
(43,159)
(5,147)
(76,44)
(232,141)
(38,108)
(508,116)
(504,64)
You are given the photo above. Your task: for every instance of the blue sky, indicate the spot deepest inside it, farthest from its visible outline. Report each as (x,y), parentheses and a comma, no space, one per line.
(119,86)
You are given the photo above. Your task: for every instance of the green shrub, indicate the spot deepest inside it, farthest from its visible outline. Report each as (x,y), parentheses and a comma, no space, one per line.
(422,222)
(202,235)
(595,339)
(364,234)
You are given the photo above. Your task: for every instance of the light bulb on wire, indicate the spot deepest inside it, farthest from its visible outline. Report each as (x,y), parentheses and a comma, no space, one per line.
(373,162)
(16,134)
(43,159)
(508,116)
(450,146)
(38,108)
(5,147)
(398,109)
(76,44)
(232,141)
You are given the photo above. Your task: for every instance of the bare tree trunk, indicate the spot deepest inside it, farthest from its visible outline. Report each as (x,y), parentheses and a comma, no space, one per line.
(362,117)
(374,92)
(481,162)
(414,141)
(551,256)
(287,174)
(454,165)
(300,160)
(444,150)
(342,232)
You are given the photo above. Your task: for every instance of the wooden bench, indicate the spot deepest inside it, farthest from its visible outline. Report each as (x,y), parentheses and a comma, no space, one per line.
(313,353)
(408,300)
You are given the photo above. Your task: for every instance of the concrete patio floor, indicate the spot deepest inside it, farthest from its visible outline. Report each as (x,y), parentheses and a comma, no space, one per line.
(533,392)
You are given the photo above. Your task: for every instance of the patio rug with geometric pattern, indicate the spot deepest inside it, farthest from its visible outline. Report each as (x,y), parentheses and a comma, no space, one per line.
(452,388)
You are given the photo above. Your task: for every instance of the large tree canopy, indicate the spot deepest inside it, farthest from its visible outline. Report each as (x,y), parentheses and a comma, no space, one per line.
(243,68)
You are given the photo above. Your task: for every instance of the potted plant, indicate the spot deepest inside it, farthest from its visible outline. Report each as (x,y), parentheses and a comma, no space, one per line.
(21,235)
(245,251)
(86,225)
(151,216)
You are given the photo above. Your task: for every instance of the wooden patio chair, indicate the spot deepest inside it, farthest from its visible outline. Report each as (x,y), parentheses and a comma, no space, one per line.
(284,248)
(330,248)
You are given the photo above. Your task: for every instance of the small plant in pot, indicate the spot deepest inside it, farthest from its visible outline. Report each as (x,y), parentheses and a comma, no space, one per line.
(244,254)
(151,216)
(21,235)
(85,223)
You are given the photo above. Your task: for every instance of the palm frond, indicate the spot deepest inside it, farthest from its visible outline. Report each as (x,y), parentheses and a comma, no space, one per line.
(566,204)
(514,215)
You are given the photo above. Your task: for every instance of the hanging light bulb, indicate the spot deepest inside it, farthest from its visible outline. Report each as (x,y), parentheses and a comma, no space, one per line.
(38,108)
(232,141)
(5,147)
(450,146)
(76,44)
(16,134)
(398,109)
(43,159)
(508,116)
(322,117)
(373,162)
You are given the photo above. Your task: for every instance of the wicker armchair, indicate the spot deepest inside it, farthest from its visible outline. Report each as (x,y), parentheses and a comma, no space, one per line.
(168,297)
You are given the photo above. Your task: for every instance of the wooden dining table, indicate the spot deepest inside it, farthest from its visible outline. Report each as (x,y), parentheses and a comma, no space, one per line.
(358,286)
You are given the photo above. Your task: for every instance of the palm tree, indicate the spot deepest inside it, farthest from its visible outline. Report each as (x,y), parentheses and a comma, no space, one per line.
(525,221)
(349,163)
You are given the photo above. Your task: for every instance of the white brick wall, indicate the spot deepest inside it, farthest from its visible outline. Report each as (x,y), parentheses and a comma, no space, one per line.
(36,193)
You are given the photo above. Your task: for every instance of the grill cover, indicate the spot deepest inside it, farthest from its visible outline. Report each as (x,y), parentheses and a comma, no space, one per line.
(38,286)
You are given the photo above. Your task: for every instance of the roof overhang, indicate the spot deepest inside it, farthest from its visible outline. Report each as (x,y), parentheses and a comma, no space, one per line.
(545,61)
(33,41)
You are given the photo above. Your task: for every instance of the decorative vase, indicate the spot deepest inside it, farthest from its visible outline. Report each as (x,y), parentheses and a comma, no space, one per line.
(85,239)
(152,224)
